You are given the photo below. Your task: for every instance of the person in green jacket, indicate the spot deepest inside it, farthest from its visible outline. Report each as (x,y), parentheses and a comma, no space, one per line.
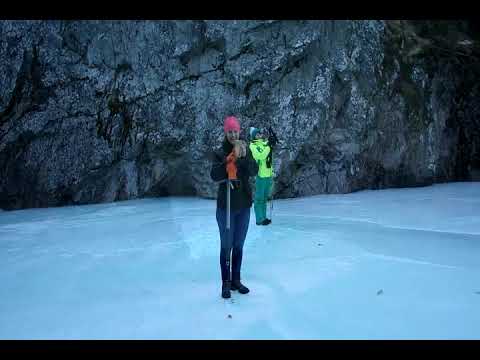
(262,153)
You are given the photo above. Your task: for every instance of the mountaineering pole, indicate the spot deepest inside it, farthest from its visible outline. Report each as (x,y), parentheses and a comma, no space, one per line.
(271,200)
(231,176)
(273,141)
(228,224)
(228,204)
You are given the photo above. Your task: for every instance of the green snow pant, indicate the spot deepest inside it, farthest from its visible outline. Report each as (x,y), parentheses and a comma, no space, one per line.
(263,187)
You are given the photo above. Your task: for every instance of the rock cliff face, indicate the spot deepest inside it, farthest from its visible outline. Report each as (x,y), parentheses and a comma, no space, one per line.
(97,111)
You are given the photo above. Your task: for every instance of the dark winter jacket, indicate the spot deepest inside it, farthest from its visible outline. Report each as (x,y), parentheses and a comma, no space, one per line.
(241,195)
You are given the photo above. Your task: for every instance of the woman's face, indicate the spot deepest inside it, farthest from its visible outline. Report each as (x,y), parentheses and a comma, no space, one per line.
(232,136)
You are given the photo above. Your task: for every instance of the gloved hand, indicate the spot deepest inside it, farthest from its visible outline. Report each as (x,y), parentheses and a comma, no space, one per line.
(272,138)
(240,148)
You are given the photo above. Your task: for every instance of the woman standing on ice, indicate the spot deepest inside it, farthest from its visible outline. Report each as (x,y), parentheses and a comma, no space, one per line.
(262,153)
(233,164)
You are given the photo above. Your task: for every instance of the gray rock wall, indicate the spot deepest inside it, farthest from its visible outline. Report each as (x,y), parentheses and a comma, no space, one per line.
(96,111)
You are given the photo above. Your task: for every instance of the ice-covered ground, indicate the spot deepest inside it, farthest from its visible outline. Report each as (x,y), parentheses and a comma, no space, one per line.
(391,264)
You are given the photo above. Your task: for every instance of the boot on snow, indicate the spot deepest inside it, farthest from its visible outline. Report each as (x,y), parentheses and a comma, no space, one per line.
(237,285)
(226,286)
(264,222)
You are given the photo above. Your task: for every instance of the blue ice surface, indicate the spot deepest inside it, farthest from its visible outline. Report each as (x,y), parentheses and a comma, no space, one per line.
(385,264)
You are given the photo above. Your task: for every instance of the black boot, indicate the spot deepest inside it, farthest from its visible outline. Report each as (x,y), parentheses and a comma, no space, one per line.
(226,286)
(237,285)
(266,222)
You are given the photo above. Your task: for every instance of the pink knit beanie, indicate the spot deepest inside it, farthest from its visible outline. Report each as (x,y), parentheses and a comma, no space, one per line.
(231,123)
